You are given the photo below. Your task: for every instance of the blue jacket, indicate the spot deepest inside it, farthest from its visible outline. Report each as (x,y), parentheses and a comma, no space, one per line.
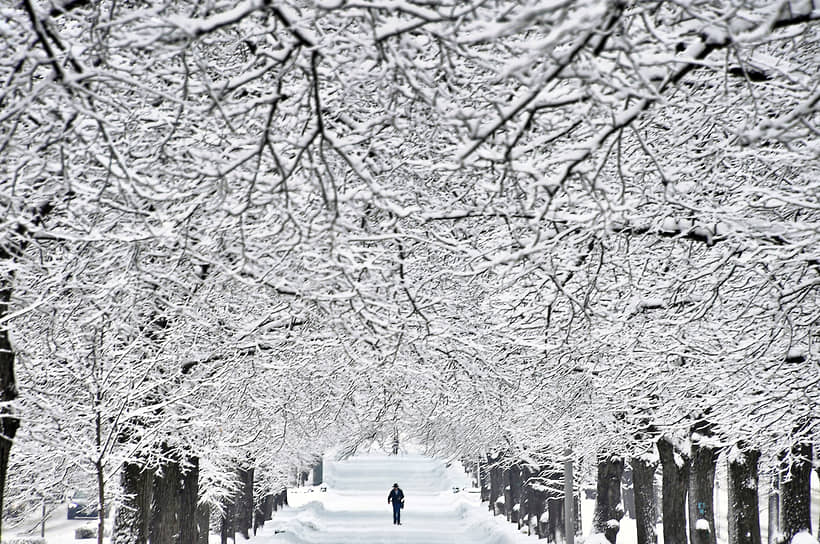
(396,496)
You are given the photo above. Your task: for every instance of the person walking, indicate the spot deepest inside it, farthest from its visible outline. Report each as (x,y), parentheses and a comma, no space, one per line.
(396,497)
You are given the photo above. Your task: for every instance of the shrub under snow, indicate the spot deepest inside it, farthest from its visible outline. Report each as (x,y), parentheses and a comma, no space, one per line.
(86,531)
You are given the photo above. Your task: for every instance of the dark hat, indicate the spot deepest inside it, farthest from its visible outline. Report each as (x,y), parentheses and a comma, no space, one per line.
(395,485)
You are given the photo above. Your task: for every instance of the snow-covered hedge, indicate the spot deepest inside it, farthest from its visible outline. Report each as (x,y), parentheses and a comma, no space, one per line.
(87,531)
(25,540)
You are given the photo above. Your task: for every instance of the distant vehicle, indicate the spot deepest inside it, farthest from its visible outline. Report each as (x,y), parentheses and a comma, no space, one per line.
(82,505)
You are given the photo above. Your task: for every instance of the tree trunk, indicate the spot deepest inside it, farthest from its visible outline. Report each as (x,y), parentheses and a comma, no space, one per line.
(744,519)
(608,500)
(505,482)
(646,502)
(818,478)
(188,532)
(203,523)
(527,472)
(628,491)
(165,506)
(537,497)
(795,489)
(133,515)
(675,467)
(484,480)
(98,465)
(269,503)
(226,526)
(511,480)
(8,388)
(702,488)
(496,485)
(318,472)
(514,508)
(555,518)
(555,508)
(244,503)
(258,516)
(774,509)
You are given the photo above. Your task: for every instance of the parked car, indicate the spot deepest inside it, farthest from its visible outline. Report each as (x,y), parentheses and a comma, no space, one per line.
(82,504)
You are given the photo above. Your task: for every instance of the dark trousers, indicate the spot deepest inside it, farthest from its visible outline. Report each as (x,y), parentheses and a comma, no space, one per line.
(396,512)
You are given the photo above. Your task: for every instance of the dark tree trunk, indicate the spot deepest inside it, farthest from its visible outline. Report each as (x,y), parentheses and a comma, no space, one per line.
(537,498)
(318,472)
(555,526)
(555,517)
(258,516)
(505,482)
(268,507)
(744,519)
(133,515)
(528,472)
(203,523)
(512,493)
(515,493)
(165,506)
(608,500)
(646,502)
(285,496)
(244,503)
(100,491)
(795,491)
(9,423)
(496,484)
(702,487)
(818,478)
(8,387)
(227,528)
(774,509)
(675,465)
(484,480)
(188,532)
(628,491)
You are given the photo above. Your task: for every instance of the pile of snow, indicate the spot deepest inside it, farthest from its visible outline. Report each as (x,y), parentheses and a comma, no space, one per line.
(803,537)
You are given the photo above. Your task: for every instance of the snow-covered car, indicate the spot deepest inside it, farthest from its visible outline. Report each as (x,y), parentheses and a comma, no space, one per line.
(82,505)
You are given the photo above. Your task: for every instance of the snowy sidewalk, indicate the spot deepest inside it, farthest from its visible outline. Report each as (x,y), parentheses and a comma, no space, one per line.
(354,509)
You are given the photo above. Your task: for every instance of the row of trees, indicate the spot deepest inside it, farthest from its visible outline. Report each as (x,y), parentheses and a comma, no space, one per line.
(234,234)
(533,495)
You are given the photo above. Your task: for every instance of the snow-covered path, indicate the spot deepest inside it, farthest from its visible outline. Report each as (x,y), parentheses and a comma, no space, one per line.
(354,508)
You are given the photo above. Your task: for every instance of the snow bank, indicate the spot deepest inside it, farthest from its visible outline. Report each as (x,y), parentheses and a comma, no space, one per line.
(803,537)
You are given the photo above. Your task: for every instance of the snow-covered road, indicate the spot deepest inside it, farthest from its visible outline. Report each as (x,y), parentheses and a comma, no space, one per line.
(354,508)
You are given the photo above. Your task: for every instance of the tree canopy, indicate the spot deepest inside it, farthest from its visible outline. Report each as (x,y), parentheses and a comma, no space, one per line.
(270,227)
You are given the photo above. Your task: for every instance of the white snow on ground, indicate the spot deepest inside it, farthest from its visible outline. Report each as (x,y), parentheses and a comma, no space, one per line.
(59,529)
(354,508)
(803,537)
